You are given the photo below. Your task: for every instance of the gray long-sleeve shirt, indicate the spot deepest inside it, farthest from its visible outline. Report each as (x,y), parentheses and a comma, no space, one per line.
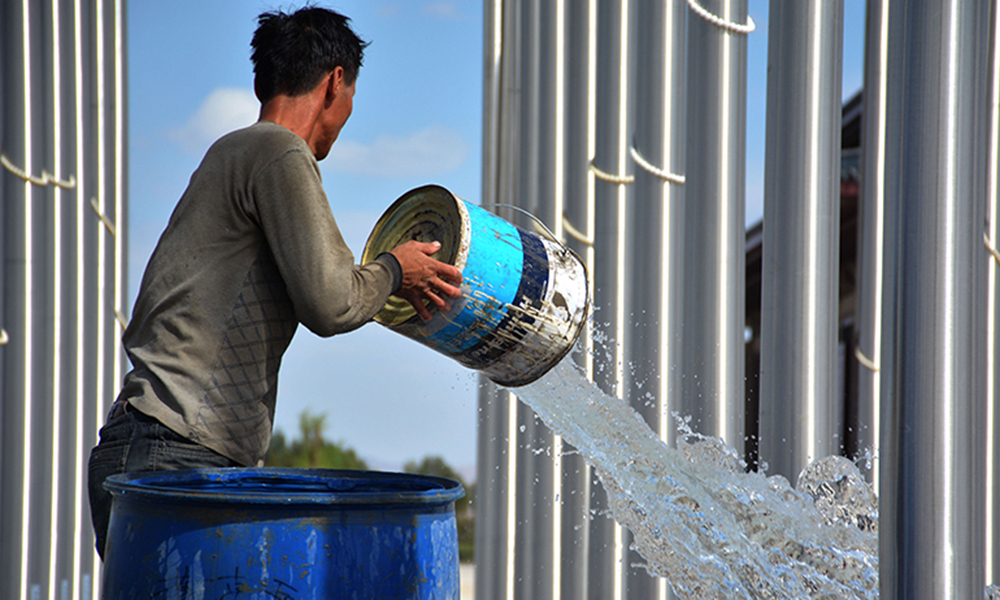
(251,250)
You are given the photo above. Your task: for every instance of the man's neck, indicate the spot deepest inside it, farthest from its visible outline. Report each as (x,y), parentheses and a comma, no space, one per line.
(296,113)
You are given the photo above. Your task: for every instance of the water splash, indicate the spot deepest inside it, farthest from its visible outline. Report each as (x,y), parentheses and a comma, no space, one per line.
(699,521)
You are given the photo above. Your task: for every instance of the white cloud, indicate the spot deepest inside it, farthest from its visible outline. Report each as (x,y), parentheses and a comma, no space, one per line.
(387,10)
(431,151)
(224,110)
(444,10)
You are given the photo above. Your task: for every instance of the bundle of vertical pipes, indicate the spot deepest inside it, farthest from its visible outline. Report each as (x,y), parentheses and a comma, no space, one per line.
(582,96)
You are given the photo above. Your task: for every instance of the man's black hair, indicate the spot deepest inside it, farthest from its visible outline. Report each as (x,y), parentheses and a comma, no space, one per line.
(293,52)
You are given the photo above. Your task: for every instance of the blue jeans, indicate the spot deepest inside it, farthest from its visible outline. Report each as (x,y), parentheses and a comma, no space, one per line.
(137,442)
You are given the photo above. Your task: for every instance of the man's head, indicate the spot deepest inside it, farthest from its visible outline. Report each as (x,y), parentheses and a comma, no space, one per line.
(293,52)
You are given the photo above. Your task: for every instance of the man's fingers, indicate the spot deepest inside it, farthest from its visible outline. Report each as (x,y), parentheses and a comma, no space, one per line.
(447,289)
(427,248)
(449,272)
(417,302)
(422,311)
(438,301)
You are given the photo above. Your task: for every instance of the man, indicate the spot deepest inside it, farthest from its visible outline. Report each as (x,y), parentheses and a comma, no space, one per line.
(251,250)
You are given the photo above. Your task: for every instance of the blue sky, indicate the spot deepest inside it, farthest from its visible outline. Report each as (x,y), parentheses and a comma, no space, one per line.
(417,119)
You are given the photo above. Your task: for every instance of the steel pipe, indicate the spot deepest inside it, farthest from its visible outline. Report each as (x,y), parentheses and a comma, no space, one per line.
(991,237)
(872,249)
(712,384)
(654,263)
(497,437)
(608,567)
(799,413)
(654,253)
(574,497)
(536,181)
(933,385)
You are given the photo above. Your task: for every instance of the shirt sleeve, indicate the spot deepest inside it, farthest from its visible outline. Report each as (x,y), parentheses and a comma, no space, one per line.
(329,292)
(389,260)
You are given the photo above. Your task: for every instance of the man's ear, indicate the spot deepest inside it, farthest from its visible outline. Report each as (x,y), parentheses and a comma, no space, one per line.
(334,83)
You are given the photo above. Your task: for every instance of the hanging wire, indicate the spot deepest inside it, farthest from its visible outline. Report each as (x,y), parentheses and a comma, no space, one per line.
(121,319)
(45,179)
(538,222)
(864,360)
(603,175)
(720,22)
(651,168)
(104,219)
(991,247)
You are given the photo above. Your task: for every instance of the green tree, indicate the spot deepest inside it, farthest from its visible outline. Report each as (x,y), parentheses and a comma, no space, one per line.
(465,515)
(311,449)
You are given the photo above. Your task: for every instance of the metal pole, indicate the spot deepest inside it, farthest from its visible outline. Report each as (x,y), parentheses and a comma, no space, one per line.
(992,527)
(654,253)
(612,166)
(491,494)
(496,460)
(535,469)
(871,245)
(15,515)
(799,413)
(712,386)
(933,410)
(654,263)
(578,231)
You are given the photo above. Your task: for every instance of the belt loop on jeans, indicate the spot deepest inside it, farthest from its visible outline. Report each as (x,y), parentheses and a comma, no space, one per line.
(120,408)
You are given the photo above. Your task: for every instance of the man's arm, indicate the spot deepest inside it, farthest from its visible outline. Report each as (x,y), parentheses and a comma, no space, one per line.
(331,294)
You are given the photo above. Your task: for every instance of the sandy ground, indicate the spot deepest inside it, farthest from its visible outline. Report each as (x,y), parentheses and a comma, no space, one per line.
(467,573)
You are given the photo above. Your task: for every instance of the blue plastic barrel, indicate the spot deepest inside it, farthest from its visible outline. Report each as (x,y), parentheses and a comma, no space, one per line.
(281,533)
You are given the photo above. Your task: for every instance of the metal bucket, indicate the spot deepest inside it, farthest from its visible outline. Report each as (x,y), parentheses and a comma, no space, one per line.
(281,533)
(524,299)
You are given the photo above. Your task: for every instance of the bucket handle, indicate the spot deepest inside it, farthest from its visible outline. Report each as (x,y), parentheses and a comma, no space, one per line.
(548,233)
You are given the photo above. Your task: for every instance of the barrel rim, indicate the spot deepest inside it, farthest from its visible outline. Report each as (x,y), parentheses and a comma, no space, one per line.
(313,486)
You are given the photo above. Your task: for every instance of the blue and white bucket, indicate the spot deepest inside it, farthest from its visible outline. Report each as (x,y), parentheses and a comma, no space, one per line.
(524,296)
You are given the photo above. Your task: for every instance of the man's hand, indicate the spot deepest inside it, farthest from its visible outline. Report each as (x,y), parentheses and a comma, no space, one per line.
(425,278)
